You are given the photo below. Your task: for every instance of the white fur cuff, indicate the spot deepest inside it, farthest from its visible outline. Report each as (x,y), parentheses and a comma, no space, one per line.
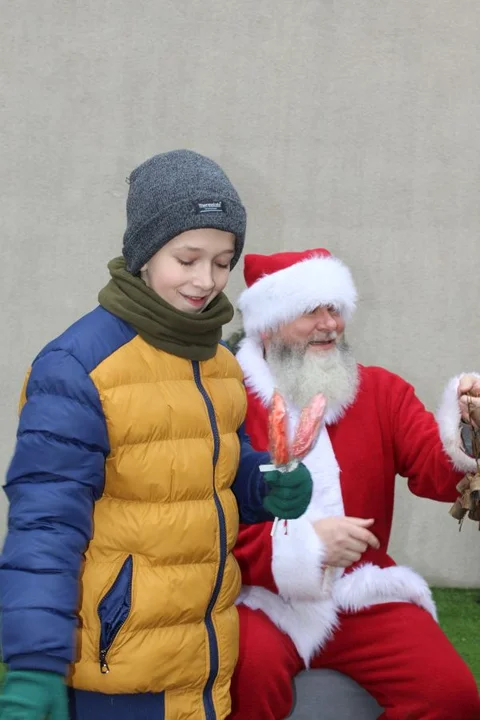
(296,561)
(448,418)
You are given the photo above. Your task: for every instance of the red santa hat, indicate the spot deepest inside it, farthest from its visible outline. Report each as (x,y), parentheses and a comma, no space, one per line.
(283,286)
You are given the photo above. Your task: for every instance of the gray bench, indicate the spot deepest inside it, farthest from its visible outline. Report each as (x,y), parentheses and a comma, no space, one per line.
(329,695)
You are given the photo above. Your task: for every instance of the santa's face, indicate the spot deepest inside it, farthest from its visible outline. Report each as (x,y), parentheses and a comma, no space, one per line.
(311,355)
(317,332)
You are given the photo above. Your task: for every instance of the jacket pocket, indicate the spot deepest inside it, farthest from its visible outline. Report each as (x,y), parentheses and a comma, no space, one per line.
(114,610)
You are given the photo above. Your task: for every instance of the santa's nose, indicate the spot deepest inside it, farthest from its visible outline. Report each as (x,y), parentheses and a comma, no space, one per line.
(325,320)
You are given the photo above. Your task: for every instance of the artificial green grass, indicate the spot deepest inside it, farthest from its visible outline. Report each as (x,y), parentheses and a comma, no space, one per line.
(459,617)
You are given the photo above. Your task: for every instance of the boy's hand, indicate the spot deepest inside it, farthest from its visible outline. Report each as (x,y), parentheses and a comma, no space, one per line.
(33,695)
(289,493)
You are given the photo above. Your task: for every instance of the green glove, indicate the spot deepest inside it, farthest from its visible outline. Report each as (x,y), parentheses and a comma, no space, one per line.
(289,493)
(33,695)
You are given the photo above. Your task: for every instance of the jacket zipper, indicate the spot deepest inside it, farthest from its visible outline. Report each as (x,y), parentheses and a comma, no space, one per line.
(213,644)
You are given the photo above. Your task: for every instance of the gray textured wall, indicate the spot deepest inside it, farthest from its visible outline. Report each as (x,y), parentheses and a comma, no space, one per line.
(349,125)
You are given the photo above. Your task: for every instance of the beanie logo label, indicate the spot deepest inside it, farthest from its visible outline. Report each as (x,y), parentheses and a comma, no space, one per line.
(210,207)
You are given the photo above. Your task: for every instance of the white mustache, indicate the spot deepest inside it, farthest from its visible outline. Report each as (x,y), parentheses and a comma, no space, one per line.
(323,337)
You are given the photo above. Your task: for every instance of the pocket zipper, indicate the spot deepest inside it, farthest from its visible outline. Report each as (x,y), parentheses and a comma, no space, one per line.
(114,618)
(104,669)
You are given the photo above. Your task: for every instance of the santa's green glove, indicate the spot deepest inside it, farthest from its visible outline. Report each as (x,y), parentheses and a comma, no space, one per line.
(33,695)
(288,493)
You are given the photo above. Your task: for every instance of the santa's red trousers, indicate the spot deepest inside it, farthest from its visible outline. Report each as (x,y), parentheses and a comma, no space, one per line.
(395,651)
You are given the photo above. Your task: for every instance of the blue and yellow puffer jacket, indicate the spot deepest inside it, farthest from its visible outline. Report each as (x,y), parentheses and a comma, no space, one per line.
(117,567)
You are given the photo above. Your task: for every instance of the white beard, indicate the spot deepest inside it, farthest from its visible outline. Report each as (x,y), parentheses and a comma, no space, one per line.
(299,375)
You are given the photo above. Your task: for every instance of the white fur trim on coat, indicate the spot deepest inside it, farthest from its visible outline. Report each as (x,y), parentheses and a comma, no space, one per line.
(448,418)
(309,624)
(286,294)
(369,585)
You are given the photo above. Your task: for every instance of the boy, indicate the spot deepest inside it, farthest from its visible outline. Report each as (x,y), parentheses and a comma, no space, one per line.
(121,505)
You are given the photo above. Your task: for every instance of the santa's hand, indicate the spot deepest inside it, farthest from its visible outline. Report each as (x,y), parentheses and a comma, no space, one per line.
(345,539)
(469,395)
(289,493)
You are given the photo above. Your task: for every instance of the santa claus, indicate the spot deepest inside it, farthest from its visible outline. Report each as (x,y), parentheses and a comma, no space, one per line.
(324,592)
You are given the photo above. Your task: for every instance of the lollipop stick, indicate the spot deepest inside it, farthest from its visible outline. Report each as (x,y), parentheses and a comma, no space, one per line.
(274,527)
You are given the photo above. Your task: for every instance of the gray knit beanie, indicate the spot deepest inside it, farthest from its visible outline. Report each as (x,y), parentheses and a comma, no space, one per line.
(174,192)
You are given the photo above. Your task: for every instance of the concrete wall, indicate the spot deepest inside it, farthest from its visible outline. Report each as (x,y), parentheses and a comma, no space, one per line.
(349,125)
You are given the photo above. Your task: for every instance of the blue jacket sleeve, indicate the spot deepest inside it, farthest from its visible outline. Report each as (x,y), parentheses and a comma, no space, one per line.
(249,486)
(56,474)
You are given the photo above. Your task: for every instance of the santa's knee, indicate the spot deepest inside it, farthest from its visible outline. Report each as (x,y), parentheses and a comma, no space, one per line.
(455,697)
(261,689)
(258,668)
(464,700)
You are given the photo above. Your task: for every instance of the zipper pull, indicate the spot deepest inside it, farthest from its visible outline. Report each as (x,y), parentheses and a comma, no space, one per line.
(104,669)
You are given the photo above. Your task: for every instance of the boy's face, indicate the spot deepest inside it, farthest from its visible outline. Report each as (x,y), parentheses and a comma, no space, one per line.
(192,269)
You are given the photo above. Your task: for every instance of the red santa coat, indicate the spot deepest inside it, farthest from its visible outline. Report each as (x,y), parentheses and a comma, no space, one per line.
(385,432)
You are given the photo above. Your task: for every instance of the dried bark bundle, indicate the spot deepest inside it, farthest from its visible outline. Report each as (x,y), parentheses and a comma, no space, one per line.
(468,504)
(469,501)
